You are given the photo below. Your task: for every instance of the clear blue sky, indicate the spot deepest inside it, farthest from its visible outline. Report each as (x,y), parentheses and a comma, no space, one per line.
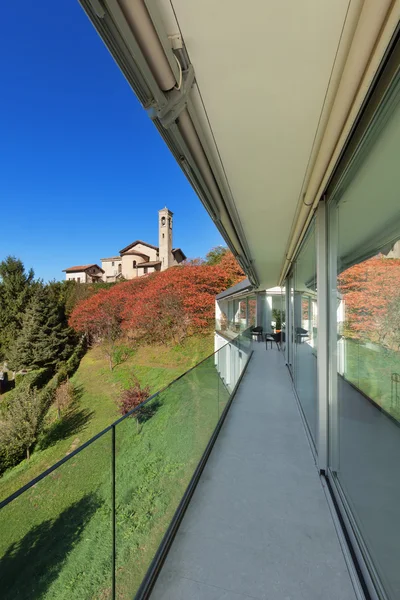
(83,170)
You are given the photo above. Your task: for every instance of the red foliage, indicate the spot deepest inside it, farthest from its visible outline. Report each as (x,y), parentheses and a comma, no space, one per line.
(154,304)
(369,289)
(132,397)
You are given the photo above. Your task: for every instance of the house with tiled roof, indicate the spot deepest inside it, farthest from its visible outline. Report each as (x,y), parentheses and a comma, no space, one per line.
(84,273)
(140,258)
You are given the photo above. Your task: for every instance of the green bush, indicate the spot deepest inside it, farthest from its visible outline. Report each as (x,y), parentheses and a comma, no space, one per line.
(62,372)
(74,360)
(37,378)
(46,383)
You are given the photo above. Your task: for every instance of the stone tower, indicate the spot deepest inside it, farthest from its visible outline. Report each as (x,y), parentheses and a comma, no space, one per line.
(165,238)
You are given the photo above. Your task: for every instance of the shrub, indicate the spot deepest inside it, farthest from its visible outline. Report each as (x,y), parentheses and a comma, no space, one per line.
(64,396)
(19,430)
(163,306)
(73,362)
(37,378)
(132,397)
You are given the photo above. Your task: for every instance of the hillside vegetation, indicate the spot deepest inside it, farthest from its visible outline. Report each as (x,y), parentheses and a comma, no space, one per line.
(45,328)
(97,390)
(56,541)
(56,537)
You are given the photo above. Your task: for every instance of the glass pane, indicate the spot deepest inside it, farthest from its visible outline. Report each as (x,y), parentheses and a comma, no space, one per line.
(305,330)
(252,306)
(157,454)
(222,364)
(56,538)
(291,338)
(243,314)
(285,318)
(365,342)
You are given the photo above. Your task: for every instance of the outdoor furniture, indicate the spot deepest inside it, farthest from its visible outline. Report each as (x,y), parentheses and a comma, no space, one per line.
(268,338)
(301,334)
(256,333)
(273,337)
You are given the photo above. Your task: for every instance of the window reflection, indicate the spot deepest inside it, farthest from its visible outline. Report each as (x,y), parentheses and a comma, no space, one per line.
(364,245)
(305,330)
(368,321)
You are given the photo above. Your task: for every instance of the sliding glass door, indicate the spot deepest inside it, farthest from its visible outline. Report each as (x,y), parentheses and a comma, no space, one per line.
(364,307)
(301,329)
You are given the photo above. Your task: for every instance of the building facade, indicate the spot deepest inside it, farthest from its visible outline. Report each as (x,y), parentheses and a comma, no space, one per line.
(84,273)
(139,258)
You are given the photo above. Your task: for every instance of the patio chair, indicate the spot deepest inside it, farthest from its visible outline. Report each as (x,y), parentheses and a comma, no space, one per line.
(273,337)
(301,335)
(256,333)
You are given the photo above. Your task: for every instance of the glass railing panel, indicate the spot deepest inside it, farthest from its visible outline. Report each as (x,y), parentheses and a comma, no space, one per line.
(56,537)
(230,329)
(222,363)
(157,453)
(60,537)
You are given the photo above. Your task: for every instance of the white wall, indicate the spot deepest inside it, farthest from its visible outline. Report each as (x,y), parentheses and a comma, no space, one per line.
(128,270)
(110,270)
(75,276)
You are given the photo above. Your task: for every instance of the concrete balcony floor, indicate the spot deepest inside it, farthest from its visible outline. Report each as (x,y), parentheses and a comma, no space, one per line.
(259,525)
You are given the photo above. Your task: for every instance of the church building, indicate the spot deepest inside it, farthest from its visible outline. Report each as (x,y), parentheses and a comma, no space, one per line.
(140,258)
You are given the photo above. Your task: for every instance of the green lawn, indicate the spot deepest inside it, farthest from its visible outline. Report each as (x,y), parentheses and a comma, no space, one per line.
(371,371)
(56,538)
(97,388)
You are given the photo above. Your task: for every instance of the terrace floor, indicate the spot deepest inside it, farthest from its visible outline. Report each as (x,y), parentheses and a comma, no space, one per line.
(259,525)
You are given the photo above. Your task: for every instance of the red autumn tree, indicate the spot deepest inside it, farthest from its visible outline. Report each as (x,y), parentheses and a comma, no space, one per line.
(370,292)
(100,318)
(164,305)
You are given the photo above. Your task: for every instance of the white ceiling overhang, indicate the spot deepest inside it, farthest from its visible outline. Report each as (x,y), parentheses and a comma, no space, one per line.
(262,71)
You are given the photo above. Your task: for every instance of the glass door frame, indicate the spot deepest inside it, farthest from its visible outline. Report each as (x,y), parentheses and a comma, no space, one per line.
(368,125)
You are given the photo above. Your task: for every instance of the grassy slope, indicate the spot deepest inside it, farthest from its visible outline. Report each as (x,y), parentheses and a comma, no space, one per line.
(155,366)
(371,371)
(56,538)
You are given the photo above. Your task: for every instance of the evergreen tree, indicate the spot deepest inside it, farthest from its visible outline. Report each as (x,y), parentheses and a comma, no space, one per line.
(16,289)
(45,338)
(20,428)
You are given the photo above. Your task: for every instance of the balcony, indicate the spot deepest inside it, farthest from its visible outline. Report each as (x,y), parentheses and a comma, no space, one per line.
(259,525)
(211,492)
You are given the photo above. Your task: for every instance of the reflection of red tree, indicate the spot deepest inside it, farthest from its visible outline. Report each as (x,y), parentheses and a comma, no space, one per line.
(371,291)
(305,304)
(252,311)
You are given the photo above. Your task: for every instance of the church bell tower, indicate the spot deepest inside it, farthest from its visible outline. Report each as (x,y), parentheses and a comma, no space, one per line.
(165,238)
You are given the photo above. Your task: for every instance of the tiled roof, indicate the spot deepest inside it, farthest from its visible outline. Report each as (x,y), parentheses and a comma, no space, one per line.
(134,244)
(152,263)
(80,268)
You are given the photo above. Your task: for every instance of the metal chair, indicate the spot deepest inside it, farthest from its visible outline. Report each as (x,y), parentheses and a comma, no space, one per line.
(268,338)
(256,333)
(273,337)
(301,335)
